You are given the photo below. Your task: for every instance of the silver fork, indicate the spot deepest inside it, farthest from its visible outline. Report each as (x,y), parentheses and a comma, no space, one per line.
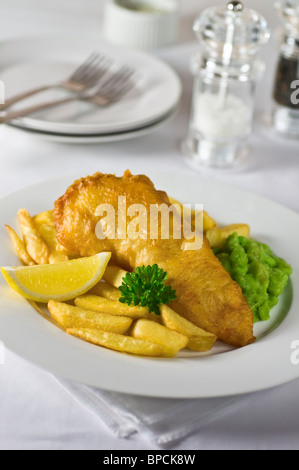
(112,88)
(85,77)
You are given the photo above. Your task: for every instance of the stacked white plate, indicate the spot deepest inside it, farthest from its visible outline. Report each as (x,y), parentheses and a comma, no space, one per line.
(38,61)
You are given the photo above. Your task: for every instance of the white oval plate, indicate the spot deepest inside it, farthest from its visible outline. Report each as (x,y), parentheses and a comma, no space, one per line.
(222,372)
(50,59)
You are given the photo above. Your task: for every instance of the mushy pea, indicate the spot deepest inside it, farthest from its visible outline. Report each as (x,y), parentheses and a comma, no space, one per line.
(261,275)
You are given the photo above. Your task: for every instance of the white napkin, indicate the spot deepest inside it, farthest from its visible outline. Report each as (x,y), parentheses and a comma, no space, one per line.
(162,421)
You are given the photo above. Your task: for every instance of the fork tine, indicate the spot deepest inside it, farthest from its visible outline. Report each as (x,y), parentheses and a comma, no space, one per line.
(115,79)
(85,72)
(97,72)
(124,90)
(93,75)
(89,61)
(118,86)
(112,82)
(112,94)
(121,84)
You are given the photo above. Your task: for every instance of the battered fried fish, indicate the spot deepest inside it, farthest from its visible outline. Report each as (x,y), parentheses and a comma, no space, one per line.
(206,294)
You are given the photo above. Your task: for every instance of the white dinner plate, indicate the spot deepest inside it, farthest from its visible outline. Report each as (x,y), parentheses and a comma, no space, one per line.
(99,138)
(45,60)
(224,371)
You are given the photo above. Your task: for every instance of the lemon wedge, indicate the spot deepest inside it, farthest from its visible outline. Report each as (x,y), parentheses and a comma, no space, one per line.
(61,281)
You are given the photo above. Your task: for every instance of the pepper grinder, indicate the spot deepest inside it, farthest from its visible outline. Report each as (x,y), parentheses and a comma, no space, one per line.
(226,71)
(286,88)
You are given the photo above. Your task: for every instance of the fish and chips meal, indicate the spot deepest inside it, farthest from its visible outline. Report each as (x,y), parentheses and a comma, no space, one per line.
(122,285)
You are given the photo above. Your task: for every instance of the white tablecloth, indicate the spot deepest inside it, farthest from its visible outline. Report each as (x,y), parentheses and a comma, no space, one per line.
(36,412)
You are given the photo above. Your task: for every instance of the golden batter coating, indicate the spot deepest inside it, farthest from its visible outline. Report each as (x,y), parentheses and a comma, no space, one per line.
(206,294)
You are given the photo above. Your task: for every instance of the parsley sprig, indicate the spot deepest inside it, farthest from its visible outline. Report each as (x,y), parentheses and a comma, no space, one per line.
(146,287)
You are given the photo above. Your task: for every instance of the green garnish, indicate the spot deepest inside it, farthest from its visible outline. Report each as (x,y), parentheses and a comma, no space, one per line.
(260,273)
(146,287)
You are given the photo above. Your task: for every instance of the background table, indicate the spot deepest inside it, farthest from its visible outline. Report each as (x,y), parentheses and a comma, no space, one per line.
(35,410)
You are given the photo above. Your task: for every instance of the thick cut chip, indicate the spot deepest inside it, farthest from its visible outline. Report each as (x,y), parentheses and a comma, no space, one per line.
(114,275)
(69,316)
(199,340)
(45,225)
(205,220)
(99,304)
(34,243)
(171,341)
(103,289)
(217,236)
(19,246)
(117,342)
(208,222)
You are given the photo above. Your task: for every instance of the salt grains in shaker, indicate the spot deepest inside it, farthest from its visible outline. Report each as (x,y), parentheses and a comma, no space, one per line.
(286,88)
(226,71)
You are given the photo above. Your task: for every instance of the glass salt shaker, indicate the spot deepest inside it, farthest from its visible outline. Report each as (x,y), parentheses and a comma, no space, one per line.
(226,71)
(286,88)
